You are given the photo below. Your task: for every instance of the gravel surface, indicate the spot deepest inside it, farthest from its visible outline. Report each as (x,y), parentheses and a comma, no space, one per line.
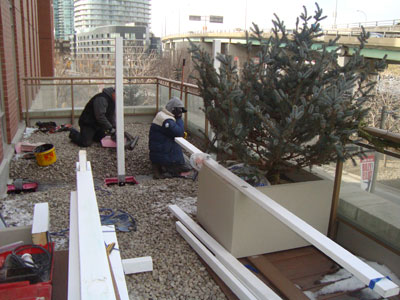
(178,273)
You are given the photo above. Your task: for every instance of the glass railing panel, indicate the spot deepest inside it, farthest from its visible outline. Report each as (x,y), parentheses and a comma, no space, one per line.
(56,94)
(196,117)
(164,96)
(140,94)
(387,177)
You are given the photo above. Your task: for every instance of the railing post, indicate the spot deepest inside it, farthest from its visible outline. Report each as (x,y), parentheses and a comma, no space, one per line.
(332,229)
(186,105)
(206,128)
(377,154)
(170,90)
(157,96)
(72,103)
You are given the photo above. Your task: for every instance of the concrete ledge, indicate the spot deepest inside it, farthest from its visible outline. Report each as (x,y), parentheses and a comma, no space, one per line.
(371,213)
(5,163)
(63,115)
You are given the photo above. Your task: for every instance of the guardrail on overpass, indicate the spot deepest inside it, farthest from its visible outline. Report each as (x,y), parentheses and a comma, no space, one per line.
(376,48)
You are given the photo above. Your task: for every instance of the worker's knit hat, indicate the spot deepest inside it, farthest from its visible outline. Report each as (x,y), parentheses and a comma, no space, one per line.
(175,102)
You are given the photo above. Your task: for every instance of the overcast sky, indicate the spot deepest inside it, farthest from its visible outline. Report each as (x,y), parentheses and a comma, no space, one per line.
(172,16)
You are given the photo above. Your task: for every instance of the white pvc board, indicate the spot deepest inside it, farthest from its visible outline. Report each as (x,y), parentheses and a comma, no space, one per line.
(187,146)
(40,218)
(95,276)
(110,236)
(81,165)
(216,49)
(230,280)
(347,260)
(137,265)
(73,254)
(119,105)
(251,281)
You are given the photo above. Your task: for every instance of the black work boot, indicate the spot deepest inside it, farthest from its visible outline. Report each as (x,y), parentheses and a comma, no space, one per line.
(157,171)
(73,134)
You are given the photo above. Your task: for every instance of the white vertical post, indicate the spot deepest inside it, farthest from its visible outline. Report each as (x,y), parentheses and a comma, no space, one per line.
(216,48)
(119,77)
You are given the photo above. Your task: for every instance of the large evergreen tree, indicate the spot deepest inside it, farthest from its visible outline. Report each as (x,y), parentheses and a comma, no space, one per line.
(292,107)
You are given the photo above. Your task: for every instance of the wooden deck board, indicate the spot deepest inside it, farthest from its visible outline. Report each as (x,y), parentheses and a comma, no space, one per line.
(302,267)
(279,280)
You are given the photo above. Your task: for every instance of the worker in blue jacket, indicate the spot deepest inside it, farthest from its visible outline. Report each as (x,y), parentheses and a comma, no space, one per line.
(165,154)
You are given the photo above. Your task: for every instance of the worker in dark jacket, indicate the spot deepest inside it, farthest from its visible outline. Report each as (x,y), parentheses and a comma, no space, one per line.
(96,120)
(165,154)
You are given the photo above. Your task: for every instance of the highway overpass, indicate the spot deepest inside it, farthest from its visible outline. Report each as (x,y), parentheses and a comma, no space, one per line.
(383,41)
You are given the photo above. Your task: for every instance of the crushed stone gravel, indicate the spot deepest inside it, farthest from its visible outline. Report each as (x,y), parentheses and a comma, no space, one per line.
(178,273)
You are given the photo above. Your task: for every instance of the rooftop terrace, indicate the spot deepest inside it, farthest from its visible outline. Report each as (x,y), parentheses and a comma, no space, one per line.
(178,272)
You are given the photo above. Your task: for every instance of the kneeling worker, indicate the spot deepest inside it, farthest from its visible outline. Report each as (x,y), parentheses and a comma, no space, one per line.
(165,154)
(97,119)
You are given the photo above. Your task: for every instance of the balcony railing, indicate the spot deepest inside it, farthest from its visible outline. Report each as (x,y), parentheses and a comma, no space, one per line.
(65,97)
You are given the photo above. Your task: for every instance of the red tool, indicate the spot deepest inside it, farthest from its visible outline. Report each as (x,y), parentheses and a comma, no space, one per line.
(115,180)
(19,185)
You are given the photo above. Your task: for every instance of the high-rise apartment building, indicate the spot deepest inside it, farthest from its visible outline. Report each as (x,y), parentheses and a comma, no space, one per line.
(63,19)
(90,14)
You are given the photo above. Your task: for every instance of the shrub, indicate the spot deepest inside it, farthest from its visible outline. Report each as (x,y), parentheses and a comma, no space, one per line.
(293,106)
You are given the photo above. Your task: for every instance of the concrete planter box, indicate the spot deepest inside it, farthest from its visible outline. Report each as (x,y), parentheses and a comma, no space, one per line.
(245,229)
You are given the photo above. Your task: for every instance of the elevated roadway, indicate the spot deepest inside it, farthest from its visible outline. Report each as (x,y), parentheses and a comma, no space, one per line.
(376,48)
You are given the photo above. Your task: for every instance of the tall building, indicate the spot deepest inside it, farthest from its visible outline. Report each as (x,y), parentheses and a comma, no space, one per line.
(63,19)
(89,14)
(94,50)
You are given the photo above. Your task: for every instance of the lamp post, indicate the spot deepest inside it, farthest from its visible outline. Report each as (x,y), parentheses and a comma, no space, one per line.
(211,19)
(365,15)
(245,17)
(335,15)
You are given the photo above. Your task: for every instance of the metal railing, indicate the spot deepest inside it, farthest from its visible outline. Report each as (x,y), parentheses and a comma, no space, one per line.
(370,24)
(378,173)
(66,96)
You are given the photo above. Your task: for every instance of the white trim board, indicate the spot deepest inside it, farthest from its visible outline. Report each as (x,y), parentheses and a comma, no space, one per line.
(250,281)
(137,265)
(40,218)
(384,287)
(74,284)
(230,280)
(187,146)
(95,276)
(82,163)
(109,237)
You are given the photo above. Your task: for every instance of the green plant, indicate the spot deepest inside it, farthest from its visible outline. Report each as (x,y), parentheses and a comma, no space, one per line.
(291,108)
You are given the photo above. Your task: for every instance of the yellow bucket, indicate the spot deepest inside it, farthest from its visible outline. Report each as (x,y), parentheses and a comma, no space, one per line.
(45,155)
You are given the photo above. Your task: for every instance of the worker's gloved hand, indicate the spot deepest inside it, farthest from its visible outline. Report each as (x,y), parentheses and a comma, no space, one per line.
(177,112)
(111,131)
(185,135)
